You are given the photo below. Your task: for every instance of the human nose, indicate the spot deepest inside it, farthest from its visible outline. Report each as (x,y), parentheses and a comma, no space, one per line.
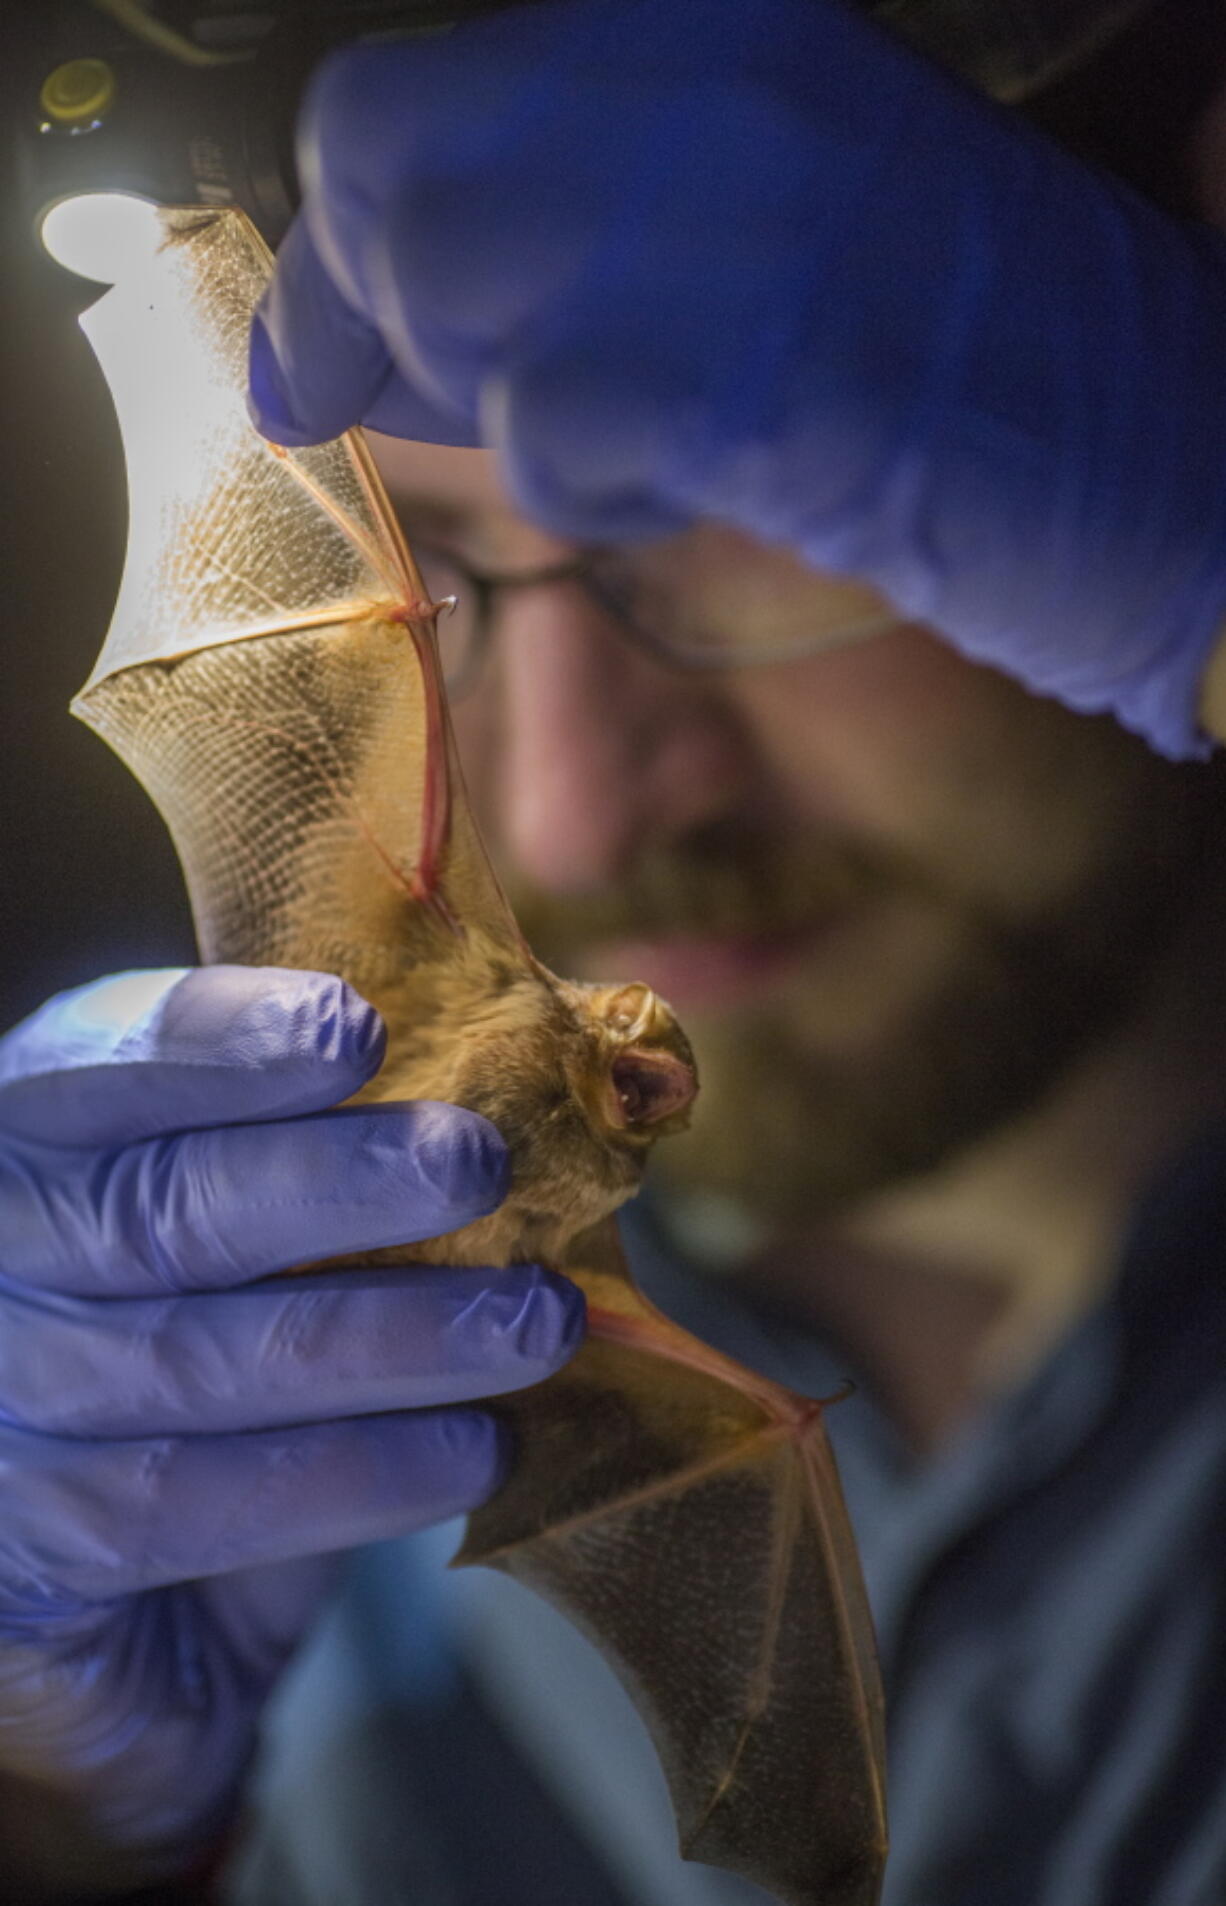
(599,751)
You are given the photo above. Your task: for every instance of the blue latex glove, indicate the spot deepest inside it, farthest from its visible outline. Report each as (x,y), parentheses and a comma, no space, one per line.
(183,1450)
(762,263)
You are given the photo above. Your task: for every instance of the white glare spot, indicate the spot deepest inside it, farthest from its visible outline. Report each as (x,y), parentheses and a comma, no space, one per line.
(106,236)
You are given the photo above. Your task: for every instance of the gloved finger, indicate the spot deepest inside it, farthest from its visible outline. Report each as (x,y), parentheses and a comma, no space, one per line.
(297,1350)
(91,1520)
(205,1210)
(450,225)
(491,268)
(143,1053)
(317,365)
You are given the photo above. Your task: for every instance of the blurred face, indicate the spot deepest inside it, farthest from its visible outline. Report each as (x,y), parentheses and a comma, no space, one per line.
(890,894)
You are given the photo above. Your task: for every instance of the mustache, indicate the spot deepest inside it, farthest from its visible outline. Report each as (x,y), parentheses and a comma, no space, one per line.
(725,880)
(737,879)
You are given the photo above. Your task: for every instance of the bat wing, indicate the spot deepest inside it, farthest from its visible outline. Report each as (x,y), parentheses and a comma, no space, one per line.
(226,538)
(683,1512)
(311,786)
(686,1515)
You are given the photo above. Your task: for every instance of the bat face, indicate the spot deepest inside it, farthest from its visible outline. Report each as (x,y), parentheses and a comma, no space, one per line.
(580,1081)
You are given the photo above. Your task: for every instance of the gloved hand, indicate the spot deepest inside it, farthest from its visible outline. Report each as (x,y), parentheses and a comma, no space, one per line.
(763,264)
(184,1448)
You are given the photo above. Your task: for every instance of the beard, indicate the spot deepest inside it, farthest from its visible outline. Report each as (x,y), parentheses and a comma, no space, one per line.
(918,1018)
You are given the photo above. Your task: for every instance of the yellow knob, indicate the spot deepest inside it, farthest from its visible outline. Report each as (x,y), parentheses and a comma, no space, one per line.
(77,92)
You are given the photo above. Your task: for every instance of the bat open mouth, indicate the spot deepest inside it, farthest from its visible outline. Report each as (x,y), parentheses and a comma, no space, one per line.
(651,1086)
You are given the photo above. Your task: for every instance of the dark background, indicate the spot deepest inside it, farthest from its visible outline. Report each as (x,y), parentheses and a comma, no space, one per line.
(88,881)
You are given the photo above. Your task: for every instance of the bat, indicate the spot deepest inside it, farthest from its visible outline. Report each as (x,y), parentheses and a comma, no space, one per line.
(271,675)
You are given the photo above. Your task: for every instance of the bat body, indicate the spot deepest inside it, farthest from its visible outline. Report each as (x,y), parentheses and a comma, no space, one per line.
(271,675)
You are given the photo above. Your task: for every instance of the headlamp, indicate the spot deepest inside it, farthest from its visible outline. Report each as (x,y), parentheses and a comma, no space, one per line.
(194,101)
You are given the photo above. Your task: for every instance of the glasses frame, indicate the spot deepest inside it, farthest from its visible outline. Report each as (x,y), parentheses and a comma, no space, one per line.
(488,584)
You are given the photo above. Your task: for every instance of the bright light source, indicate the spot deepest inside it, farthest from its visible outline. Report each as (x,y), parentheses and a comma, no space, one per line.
(106,236)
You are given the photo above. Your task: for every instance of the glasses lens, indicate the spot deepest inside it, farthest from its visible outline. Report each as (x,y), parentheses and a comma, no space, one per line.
(714,597)
(458,628)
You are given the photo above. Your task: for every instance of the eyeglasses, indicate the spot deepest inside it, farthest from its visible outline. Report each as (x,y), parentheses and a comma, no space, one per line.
(710,598)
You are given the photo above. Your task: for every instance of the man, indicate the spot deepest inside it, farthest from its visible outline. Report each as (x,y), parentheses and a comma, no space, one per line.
(949,951)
